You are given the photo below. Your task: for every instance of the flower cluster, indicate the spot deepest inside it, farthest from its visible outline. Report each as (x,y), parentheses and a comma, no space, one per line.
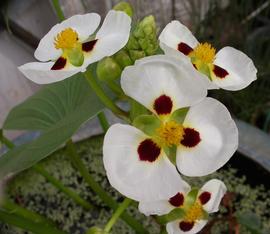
(184,132)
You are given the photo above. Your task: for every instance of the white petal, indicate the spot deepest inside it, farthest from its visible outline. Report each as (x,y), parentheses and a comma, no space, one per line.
(240,67)
(173,227)
(162,207)
(41,73)
(217,189)
(175,33)
(219,139)
(157,75)
(112,36)
(139,180)
(84,25)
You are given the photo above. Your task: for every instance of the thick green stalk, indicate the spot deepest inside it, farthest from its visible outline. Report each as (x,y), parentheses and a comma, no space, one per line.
(103,121)
(26,224)
(76,160)
(56,183)
(13,208)
(102,95)
(121,208)
(58,10)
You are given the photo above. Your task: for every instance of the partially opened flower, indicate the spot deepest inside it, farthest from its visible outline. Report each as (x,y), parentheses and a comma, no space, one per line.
(136,164)
(228,69)
(195,205)
(203,135)
(69,47)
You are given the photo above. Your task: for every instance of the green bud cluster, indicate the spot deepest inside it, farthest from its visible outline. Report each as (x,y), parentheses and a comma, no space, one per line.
(142,42)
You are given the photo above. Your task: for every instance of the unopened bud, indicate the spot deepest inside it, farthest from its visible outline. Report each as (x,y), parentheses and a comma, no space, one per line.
(108,69)
(125,7)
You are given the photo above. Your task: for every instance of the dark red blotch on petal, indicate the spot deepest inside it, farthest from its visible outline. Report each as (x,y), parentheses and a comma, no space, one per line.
(177,200)
(148,150)
(184,48)
(191,137)
(186,226)
(59,64)
(220,72)
(88,46)
(204,197)
(163,105)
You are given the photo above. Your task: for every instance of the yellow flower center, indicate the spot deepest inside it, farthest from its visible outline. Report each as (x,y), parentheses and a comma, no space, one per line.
(170,133)
(194,213)
(66,39)
(204,52)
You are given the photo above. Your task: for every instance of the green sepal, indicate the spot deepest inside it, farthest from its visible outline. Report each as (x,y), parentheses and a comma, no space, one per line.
(147,123)
(191,198)
(96,230)
(179,115)
(108,69)
(75,57)
(136,54)
(125,7)
(171,153)
(137,109)
(175,214)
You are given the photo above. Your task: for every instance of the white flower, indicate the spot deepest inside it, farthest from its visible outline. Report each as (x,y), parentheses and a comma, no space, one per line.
(229,69)
(206,201)
(135,164)
(69,47)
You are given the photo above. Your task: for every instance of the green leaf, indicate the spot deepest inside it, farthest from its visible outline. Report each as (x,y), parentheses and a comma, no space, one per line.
(58,110)
(65,101)
(179,115)
(147,123)
(251,221)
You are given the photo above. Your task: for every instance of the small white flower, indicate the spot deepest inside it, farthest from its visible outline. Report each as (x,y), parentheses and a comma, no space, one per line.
(69,47)
(228,69)
(206,201)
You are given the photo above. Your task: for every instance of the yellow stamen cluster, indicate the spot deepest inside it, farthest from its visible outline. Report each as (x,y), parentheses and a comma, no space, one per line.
(170,133)
(204,52)
(194,213)
(66,39)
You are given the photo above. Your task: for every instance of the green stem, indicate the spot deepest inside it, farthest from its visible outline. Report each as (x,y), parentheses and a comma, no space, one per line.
(70,193)
(115,88)
(117,214)
(26,224)
(103,121)
(58,10)
(13,208)
(56,183)
(77,162)
(102,95)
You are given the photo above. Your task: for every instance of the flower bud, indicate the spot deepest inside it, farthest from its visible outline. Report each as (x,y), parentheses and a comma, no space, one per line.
(96,230)
(108,69)
(123,59)
(125,7)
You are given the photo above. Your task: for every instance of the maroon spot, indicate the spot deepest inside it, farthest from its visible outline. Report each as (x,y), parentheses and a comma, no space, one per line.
(163,105)
(184,48)
(186,226)
(177,200)
(220,72)
(59,64)
(204,197)
(191,137)
(148,150)
(88,46)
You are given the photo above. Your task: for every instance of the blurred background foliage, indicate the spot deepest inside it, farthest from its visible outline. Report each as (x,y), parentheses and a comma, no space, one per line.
(245,25)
